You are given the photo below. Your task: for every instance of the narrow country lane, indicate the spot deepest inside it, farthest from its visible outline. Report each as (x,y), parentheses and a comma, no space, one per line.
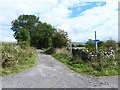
(50,73)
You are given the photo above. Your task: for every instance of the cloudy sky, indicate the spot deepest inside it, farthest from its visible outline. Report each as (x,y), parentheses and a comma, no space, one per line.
(80,18)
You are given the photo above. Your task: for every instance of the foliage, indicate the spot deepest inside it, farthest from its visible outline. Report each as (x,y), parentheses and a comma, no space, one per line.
(41,35)
(60,39)
(90,45)
(80,45)
(23,36)
(39,32)
(24,22)
(119,44)
(111,43)
(17,59)
(100,43)
(98,66)
(100,63)
(73,45)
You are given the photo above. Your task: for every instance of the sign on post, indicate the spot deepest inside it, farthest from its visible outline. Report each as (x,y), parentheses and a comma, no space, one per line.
(96,40)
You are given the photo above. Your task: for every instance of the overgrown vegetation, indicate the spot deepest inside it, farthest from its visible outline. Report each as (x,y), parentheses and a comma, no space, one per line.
(17,58)
(29,31)
(98,66)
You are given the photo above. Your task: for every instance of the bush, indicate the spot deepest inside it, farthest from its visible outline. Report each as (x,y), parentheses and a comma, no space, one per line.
(101,44)
(80,45)
(99,65)
(17,57)
(73,45)
(77,60)
(12,56)
(90,45)
(23,44)
(111,43)
(60,39)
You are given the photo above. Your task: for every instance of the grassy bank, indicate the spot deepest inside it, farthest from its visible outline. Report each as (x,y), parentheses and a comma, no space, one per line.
(96,67)
(16,59)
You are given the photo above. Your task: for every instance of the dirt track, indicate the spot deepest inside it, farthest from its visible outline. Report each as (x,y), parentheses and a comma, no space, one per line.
(50,73)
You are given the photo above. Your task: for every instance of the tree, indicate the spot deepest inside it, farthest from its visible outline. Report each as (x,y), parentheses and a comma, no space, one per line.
(119,44)
(40,33)
(24,36)
(73,45)
(90,45)
(60,39)
(26,23)
(80,45)
(100,43)
(111,43)
(49,32)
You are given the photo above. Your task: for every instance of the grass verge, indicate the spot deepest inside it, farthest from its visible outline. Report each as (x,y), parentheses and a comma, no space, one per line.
(17,59)
(103,67)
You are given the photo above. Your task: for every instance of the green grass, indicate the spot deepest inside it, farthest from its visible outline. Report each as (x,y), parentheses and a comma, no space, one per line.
(118,48)
(17,60)
(93,68)
(85,68)
(20,67)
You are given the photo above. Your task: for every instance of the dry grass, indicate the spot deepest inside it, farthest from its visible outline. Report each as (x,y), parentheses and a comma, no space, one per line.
(60,51)
(18,59)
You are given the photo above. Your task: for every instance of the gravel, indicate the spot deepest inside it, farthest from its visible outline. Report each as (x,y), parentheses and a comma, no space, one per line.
(50,73)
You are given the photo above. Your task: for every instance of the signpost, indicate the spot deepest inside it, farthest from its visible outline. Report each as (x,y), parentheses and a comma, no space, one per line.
(71,47)
(95,41)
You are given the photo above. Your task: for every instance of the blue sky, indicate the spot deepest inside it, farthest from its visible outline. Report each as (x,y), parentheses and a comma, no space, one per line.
(79,18)
(81,7)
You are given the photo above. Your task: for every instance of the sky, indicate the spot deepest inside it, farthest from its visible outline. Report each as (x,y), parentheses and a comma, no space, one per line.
(80,18)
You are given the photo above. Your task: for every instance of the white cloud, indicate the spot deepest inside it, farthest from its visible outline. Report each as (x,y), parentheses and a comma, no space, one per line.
(84,25)
(6,35)
(79,28)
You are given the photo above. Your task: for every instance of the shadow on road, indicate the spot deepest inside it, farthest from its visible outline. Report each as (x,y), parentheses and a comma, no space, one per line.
(42,52)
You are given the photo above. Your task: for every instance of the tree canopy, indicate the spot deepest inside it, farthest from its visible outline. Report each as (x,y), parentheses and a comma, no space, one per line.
(111,43)
(60,38)
(100,43)
(42,35)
